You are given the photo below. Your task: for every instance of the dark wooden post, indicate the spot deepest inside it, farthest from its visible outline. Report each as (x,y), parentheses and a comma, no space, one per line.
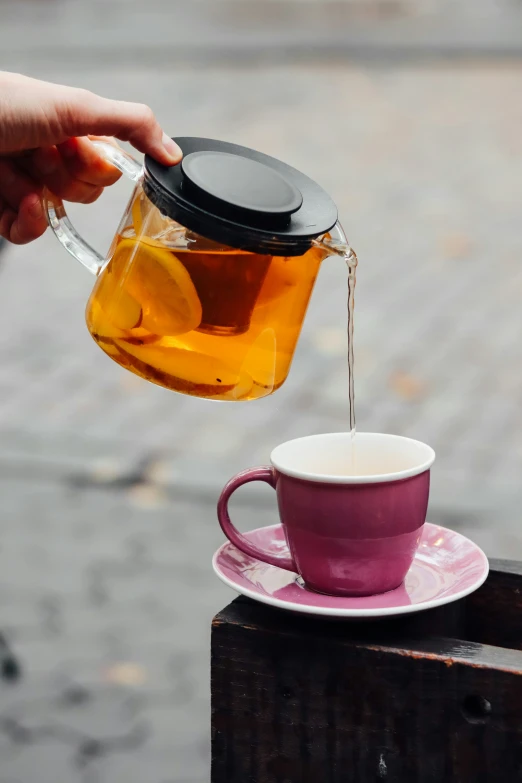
(434,698)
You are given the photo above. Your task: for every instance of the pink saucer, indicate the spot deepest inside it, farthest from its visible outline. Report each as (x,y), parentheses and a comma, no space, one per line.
(447,566)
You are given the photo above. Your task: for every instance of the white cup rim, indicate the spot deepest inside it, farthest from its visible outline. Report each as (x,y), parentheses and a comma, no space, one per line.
(281,457)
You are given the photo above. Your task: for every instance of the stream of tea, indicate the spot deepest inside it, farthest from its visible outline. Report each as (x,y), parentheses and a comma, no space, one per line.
(342,248)
(351,263)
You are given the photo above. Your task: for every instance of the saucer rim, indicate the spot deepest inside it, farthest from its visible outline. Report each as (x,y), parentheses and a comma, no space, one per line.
(354,613)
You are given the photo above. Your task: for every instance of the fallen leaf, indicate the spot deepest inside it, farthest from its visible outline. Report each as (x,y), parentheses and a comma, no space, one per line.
(147,496)
(126,674)
(407,386)
(457,246)
(106,470)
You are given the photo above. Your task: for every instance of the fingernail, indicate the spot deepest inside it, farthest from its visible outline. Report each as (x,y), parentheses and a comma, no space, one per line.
(172,148)
(35,208)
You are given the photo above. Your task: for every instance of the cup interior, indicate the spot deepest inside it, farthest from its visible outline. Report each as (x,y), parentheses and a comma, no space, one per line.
(368,457)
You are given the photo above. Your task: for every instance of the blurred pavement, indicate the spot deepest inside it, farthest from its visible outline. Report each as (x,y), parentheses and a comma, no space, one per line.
(109,483)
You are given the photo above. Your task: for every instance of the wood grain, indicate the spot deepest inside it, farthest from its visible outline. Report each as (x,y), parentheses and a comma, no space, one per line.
(494,612)
(297,700)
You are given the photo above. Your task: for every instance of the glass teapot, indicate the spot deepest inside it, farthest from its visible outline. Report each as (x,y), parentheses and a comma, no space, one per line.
(207,281)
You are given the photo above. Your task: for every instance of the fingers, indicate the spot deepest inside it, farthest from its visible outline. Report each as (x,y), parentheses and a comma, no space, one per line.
(21,214)
(7,218)
(41,114)
(95,195)
(85,163)
(58,172)
(30,223)
(75,172)
(15,185)
(85,113)
(26,224)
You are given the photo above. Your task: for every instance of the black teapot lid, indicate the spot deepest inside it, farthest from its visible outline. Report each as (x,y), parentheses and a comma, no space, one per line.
(240,197)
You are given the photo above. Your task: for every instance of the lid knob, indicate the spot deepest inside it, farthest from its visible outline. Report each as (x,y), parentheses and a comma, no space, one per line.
(237,187)
(240,198)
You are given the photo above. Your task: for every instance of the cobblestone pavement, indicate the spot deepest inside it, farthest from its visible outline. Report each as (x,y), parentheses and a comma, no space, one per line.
(109,483)
(107,603)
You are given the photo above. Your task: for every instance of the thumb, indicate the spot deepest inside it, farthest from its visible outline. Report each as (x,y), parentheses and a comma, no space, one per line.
(84,113)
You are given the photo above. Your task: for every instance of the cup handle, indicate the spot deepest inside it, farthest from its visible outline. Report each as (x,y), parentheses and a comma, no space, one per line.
(284,560)
(62,226)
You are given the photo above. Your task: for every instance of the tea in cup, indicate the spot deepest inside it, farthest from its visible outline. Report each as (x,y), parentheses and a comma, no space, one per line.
(352,509)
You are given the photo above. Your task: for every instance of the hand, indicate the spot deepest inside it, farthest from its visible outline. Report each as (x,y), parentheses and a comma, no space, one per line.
(45,141)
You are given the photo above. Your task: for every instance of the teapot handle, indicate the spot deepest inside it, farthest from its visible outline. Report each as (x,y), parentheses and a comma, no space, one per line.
(62,226)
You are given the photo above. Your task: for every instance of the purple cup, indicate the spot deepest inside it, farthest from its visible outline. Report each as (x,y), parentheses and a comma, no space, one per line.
(352,510)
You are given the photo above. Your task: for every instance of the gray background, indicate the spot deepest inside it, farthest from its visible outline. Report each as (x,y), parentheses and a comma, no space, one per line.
(410,114)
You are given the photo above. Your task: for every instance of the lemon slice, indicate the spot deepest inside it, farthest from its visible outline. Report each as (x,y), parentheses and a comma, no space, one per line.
(155,278)
(100,323)
(147,218)
(118,306)
(261,359)
(184,370)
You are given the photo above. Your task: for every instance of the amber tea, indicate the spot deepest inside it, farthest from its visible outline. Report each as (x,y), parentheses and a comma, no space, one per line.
(192,315)
(179,300)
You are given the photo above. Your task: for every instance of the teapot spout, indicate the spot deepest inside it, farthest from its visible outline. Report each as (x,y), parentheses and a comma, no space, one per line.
(335,243)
